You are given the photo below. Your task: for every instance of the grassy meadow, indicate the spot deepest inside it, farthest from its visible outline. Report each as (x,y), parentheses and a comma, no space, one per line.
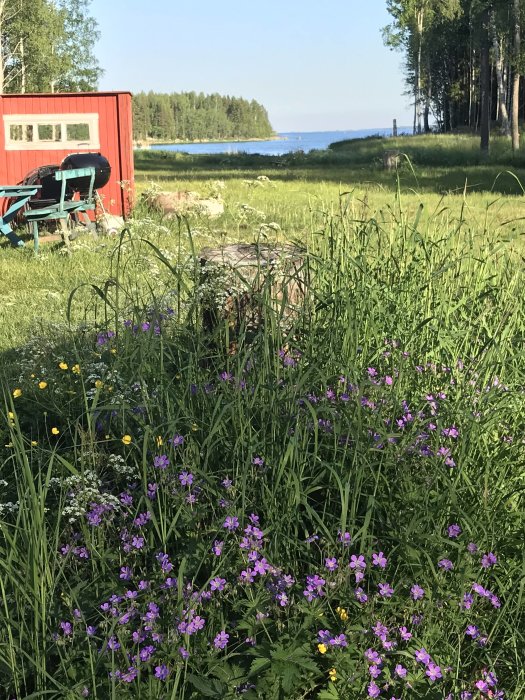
(329,506)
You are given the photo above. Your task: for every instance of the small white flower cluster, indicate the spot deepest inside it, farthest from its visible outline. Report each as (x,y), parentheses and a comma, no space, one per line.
(118,464)
(8,508)
(82,490)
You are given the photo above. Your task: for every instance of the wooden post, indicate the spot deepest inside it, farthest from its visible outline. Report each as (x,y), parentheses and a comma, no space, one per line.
(394,128)
(238,282)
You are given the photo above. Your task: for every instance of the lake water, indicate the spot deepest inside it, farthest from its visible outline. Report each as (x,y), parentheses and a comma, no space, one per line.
(284,143)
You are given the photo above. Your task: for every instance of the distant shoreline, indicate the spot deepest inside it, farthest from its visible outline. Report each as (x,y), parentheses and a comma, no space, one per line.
(146,143)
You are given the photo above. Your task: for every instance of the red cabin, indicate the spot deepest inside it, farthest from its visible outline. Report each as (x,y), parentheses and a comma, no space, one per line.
(43,129)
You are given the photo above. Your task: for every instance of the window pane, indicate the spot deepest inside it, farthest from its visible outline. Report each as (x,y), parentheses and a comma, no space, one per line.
(49,132)
(77,132)
(29,132)
(16,132)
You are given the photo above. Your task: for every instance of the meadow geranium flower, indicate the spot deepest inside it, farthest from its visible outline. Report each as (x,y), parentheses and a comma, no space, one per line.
(374,671)
(385,590)
(186,478)
(184,653)
(400,671)
(482,686)
(331,564)
(373,690)
(357,562)
(217,583)
(126,439)
(454,530)
(247,576)
(338,641)
(231,523)
(446,564)
(161,461)
(472,631)
(488,560)
(467,601)
(422,656)
(67,628)
(379,560)
(417,592)
(161,672)
(345,538)
(113,644)
(176,440)
(282,599)
(217,547)
(433,671)
(221,640)
(258,461)
(91,630)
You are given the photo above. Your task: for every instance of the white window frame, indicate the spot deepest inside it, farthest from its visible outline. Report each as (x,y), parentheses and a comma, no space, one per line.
(62,120)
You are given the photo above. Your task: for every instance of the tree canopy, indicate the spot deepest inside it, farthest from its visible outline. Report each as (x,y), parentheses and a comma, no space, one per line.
(47,46)
(189,116)
(462,58)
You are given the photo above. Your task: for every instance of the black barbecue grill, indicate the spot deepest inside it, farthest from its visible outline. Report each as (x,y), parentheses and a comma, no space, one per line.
(50,191)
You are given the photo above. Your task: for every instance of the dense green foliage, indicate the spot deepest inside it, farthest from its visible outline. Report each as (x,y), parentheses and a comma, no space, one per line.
(443,43)
(189,116)
(325,509)
(47,46)
(380,424)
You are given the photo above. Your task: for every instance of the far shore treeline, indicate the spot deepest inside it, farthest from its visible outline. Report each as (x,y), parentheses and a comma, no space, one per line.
(189,116)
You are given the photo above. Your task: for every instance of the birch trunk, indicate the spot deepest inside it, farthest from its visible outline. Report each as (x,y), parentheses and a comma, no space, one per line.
(516,78)
(498,61)
(485,87)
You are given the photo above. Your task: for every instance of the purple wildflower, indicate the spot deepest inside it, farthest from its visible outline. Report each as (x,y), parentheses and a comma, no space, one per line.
(433,672)
(357,562)
(417,592)
(161,672)
(161,461)
(445,564)
(373,690)
(231,523)
(488,560)
(331,564)
(454,530)
(217,584)
(221,640)
(422,656)
(379,560)
(385,590)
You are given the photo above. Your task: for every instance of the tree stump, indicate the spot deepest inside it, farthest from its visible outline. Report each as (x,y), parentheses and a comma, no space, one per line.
(391,159)
(241,283)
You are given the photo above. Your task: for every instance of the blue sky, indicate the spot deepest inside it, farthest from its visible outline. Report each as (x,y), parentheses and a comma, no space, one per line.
(313,65)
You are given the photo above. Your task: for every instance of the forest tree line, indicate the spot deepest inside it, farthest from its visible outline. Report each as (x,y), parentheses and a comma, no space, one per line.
(463,62)
(190,116)
(47,46)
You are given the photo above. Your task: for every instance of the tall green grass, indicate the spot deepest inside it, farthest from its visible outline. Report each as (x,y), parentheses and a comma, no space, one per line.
(323,427)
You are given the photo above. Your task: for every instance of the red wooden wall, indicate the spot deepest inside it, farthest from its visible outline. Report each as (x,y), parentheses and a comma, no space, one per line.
(115,138)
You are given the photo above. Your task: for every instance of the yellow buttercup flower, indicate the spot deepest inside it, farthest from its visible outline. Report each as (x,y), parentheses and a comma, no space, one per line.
(322,648)
(11,415)
(342,614)
(333,674)
(62,365)
(42,385)
(159,441)
(75,369)
(34,443)
(99,384)
(194,427)
(17,393)
(126,439)
(55,431)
